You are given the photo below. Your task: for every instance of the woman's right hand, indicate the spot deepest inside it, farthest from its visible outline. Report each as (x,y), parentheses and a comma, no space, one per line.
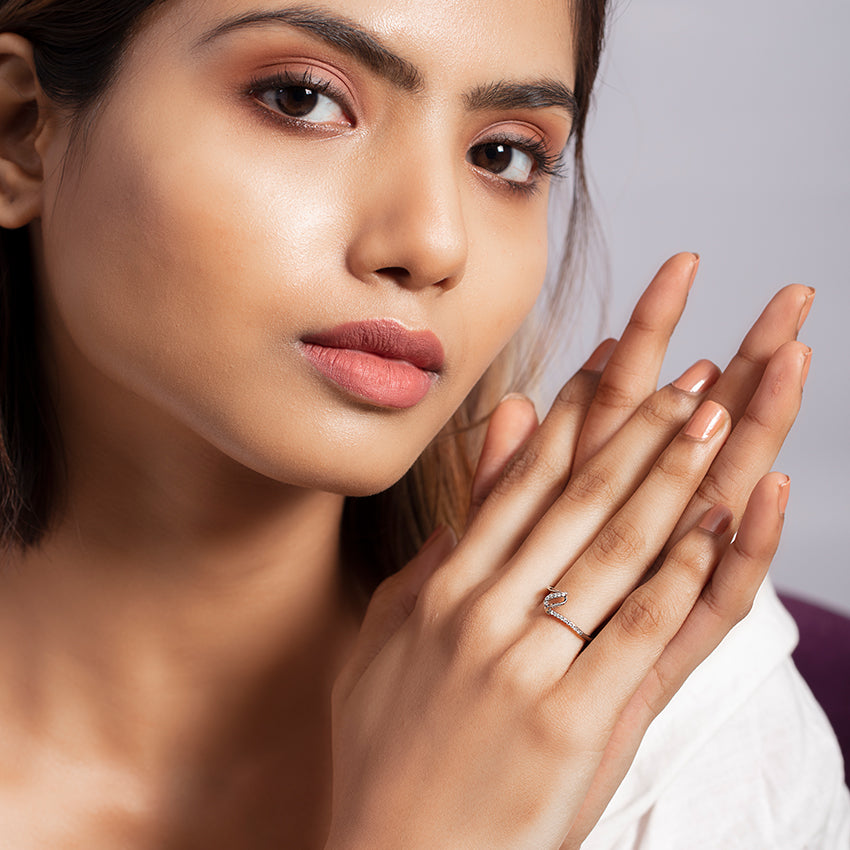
(466,716)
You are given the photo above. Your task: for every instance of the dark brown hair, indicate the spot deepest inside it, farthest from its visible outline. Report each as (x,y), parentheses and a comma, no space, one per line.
(78,47)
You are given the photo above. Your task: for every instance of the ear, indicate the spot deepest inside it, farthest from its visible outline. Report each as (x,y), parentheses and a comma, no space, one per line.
(22,110)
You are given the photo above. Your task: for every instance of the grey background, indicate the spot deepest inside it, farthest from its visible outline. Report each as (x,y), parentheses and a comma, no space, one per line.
(723,127)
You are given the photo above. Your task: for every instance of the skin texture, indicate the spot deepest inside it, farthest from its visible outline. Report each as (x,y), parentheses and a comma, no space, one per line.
(177,638)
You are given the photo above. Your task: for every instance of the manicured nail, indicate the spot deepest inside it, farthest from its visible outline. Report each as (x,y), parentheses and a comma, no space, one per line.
(807,362)
(807,306)
(698,378)
(717,520)
(601,355)
(694,270)
(784,493)
(706,421)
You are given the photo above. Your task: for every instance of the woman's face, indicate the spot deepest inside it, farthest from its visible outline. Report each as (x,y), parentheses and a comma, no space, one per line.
(331,173)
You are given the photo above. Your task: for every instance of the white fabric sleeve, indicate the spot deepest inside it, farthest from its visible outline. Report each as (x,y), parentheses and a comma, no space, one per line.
(743,758)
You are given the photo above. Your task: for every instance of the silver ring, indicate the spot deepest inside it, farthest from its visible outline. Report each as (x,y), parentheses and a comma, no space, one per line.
(549,603)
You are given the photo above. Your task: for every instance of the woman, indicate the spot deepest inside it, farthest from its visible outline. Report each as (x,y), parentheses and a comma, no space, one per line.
(269,250)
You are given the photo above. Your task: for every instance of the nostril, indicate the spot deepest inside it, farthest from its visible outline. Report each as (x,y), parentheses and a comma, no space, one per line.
(394,271)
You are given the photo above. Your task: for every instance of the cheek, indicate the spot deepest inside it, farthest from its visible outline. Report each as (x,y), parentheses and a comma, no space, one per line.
(164,261)
(181,264)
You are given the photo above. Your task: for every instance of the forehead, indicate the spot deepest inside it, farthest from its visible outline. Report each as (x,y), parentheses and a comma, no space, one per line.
(465,38)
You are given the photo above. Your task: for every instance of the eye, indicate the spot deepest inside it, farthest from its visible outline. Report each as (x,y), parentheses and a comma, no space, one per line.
(302,98)
(507,161)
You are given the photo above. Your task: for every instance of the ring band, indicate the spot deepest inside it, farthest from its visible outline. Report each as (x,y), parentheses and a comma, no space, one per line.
(549,603)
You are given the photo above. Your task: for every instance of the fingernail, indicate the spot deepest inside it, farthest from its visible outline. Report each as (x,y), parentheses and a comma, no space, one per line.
(807,362)
(601,355)
(706,421)
(717,520)
(694,270)
(510,396)
(804,310)
(784,493)
(698,378)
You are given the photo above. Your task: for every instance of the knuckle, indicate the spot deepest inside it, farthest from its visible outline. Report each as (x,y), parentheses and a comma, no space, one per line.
(614,397)
(714,488)
(757,419)
(691,559)
(750,356)
(573,397)
(591,484)
(515,677)
(727,604)
(660,410)
(620,540)
(677,468)
(755,555)
(644,322)
(642,615)
(531,464)
(475,625)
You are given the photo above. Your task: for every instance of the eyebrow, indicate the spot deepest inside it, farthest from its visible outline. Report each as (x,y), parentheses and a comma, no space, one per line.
(335,31)
(368,50)
(537,95)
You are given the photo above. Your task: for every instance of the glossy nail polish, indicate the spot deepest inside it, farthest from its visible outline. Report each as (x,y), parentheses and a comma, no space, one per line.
(784,493)
(698,378)
(694,270)
(807,306)
(706,421)
(807,362)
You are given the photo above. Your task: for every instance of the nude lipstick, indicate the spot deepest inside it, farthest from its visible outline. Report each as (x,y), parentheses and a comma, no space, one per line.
(377,360)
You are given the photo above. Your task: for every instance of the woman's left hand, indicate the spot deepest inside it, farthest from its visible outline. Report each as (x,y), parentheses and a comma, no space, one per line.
(627,373)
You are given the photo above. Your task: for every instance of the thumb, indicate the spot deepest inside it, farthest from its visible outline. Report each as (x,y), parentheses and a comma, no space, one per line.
(391,604)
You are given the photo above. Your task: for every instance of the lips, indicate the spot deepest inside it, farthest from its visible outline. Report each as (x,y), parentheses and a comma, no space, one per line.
(385,338)
(380,360)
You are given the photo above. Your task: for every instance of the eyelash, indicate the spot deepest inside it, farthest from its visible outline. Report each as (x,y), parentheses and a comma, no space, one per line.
(300,79)
(545,162)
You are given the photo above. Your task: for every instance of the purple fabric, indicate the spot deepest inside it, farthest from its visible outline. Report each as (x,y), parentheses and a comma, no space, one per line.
(823,658)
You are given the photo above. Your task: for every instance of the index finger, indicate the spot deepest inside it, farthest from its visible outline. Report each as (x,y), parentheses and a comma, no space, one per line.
(631,374)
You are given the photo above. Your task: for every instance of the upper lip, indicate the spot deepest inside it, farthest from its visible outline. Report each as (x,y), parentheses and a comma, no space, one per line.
(386,338)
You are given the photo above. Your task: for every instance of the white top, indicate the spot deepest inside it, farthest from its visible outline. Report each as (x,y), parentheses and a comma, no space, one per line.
(743,757)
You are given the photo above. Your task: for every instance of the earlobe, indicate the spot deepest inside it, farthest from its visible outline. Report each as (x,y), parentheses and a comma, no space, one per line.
(21,171)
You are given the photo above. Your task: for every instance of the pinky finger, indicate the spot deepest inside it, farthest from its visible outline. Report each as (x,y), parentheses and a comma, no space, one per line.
(728,595)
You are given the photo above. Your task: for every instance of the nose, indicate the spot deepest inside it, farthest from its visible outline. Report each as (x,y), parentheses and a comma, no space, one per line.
(410,227)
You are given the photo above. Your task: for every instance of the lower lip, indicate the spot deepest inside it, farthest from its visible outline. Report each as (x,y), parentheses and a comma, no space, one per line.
(387,382)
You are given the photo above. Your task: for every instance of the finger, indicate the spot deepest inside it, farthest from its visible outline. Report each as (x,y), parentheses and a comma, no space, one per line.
(391,604)
(632,724)
(607,571)
(532,479)
(558,529)
(756,440)
(724,601)
(511,424)
(779,323)
(632,371)
(614,666)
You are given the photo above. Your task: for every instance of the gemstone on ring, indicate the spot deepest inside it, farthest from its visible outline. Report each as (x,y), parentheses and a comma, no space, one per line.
(557,598)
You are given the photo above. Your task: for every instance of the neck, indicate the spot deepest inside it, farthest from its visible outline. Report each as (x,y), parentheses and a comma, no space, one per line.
(181,635)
